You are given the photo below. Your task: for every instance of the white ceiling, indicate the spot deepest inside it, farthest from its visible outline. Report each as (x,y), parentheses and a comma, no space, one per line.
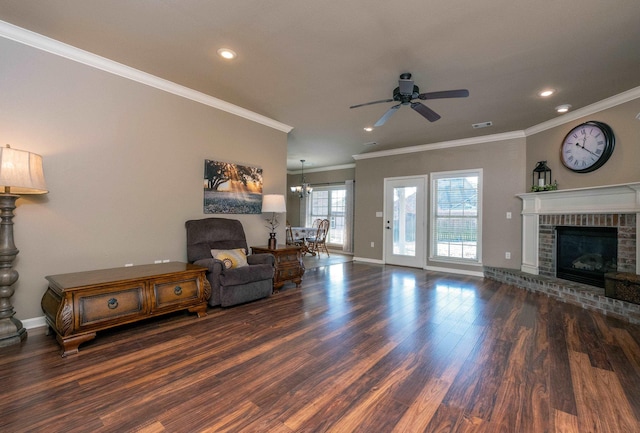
(304,62)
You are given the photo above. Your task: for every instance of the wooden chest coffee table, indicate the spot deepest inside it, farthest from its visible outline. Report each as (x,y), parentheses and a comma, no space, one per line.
(77,305)
(289,265)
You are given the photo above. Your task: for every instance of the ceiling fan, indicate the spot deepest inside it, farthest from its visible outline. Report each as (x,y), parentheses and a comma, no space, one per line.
(406,92)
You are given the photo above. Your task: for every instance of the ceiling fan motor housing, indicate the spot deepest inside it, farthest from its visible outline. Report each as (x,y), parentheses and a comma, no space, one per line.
(405,98)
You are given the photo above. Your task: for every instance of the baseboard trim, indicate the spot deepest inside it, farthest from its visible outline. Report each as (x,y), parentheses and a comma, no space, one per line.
(366,260)
(426,268)
(455,271)
(35,322)
(339,251)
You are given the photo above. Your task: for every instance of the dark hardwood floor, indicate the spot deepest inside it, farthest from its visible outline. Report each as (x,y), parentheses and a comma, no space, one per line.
(358,348)
(311,262)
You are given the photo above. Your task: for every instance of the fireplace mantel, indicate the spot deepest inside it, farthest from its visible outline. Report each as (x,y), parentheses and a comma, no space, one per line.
(623,198)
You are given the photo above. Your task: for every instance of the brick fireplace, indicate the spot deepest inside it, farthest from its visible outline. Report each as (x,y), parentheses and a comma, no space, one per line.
(616,206)
(607,206)
(625,224)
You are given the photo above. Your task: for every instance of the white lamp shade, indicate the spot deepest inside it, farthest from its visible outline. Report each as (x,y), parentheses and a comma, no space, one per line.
(273,203)
(21,171)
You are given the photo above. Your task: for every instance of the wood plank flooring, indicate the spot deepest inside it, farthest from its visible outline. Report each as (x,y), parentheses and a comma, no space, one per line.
(359,347)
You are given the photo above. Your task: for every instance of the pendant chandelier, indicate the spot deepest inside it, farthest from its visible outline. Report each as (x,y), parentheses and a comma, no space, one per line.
(304,189)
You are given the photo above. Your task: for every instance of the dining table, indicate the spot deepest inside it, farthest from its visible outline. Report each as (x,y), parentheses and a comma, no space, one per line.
(300,234)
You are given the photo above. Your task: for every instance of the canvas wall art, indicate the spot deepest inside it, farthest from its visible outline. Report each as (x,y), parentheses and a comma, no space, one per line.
(232,188)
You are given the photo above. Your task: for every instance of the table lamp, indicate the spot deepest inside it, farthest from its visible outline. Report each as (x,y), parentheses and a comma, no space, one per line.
(273,203)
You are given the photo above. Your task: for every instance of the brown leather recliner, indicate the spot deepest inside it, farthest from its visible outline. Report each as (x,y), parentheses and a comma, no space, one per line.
(228,286)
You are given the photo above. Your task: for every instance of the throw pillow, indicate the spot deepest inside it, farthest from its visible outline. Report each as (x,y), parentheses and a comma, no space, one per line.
(231,258)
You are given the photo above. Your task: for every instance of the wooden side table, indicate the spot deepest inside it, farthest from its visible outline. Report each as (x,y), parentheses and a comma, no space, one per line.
(289,265)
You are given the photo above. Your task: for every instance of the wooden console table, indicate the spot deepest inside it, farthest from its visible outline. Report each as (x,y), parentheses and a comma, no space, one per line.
(79,304)
(289,265)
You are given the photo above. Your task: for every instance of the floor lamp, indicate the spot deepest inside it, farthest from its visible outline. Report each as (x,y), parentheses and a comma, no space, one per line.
(20,173)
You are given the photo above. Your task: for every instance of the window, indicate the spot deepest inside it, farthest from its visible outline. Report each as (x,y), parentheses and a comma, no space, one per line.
(404,220)
(329,202)
(456,216)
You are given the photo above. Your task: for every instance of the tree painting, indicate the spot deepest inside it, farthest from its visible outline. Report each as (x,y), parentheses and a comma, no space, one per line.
(232,188)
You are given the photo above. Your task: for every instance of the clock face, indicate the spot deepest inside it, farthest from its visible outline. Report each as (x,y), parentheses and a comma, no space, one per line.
(587,147)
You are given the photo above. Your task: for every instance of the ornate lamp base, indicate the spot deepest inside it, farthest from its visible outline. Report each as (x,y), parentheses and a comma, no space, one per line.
(11,332)
(11,329)
(272,242)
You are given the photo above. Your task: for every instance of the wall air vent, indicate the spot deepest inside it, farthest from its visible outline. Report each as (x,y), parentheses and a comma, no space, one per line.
(482,125)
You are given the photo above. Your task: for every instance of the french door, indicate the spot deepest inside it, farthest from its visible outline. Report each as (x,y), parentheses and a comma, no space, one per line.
(404,221)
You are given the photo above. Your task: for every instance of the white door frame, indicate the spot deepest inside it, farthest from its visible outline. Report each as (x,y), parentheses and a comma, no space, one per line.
(419,260)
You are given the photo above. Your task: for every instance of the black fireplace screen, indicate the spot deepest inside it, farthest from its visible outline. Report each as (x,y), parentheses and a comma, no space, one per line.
(585,254)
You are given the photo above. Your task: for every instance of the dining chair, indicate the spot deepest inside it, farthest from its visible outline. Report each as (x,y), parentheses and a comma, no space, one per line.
(319,242)
(314,230)
(290,240)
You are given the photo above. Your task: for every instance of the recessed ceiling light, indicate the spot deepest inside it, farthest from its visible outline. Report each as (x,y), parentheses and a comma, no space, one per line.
(227,54)
(563,108)
(368,129)
(547,92)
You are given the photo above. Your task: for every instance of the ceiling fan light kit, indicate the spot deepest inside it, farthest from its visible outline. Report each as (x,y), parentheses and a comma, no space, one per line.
(406,93)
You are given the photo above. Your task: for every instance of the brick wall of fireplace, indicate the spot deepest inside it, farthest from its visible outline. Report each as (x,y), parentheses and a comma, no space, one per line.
(625,223)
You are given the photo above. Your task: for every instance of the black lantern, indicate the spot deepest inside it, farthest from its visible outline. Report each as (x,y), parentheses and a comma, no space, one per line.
(541,177)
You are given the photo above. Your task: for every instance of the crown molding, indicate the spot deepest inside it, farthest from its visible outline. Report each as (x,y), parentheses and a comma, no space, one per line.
(321,169)
(594,108)
(442,145)
(38,41)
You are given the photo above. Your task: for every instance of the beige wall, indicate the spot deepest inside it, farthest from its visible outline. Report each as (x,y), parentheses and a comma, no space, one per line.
(622,167)
(295,206)
(123,163)
(503,163)
(507,167)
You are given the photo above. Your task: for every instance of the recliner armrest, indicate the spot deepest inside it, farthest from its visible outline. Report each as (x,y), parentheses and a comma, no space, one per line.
(261,259)
(215,266)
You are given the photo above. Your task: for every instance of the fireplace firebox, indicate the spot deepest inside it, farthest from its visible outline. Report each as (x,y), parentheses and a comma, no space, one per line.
(586,254)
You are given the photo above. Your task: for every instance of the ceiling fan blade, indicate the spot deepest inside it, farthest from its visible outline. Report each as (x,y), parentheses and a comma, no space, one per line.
(371,103)
(459,93)
(405,86)
(425,111)
(387,115)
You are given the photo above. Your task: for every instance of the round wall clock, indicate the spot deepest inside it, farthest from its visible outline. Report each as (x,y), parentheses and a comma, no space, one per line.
(587,147)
